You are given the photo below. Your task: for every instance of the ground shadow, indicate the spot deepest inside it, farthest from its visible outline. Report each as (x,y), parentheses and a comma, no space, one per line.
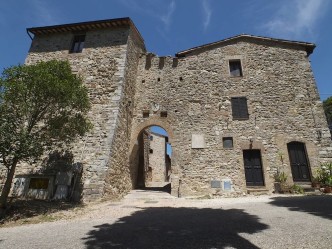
(19,209)
(165,227)
(166,188)
(319,205)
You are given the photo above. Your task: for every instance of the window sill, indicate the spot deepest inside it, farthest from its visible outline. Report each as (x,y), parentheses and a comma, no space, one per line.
(240,119)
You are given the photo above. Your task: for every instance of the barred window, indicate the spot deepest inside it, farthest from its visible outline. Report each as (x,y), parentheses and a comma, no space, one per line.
(239,108)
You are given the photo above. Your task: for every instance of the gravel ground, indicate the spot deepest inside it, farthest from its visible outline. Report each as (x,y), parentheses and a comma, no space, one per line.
(157,220)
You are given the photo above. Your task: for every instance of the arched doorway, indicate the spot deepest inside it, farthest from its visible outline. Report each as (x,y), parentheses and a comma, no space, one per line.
(151,160)
(299,161)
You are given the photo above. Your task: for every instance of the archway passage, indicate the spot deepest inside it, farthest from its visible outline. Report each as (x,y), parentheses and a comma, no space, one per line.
(153,160)
(299,161)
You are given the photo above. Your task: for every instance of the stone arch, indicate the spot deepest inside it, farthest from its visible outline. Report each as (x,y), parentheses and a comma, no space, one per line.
(153,121)
(137,131)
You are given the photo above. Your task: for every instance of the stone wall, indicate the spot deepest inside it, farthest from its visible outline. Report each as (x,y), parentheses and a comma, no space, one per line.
(196,92)
(118,178)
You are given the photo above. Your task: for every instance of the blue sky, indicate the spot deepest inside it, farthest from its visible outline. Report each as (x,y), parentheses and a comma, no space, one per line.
(169,26)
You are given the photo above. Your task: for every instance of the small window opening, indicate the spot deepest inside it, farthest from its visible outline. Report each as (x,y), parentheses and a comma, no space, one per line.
(38,183)
(151,151)
(78,44)
(146,114)
(181,79)
(143,81)
(227,142)
(235,68)
(163,114)
(158,79)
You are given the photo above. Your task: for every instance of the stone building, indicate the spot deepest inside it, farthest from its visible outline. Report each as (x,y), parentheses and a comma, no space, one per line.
(159,161)
(236,110)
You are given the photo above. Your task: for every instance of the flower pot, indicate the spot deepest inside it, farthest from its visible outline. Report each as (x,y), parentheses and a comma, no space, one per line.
(315,185)
(277,187)
(328,189)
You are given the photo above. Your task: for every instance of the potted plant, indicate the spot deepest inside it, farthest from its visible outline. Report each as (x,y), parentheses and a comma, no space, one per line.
(280,184)
(315,182)
(324,174)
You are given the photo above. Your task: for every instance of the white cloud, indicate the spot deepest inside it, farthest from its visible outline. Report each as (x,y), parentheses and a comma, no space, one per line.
(296,19)
(167,18)
(207,13)
(43,13)
(153,8)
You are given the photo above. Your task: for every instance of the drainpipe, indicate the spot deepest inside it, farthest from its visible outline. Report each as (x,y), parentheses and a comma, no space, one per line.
(29,35)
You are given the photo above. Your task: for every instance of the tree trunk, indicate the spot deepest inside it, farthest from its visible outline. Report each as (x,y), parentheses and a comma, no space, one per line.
(6,187)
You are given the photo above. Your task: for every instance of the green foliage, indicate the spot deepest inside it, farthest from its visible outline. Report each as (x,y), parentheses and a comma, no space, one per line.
(297,189)
(41,106)
(324,174)
(280,177)
(327,105)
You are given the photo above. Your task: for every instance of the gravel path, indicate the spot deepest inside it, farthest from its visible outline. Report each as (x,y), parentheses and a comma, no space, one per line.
(156,220)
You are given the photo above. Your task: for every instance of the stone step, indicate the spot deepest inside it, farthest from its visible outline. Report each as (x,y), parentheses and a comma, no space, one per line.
(141,194)
(307,187)
(257,191)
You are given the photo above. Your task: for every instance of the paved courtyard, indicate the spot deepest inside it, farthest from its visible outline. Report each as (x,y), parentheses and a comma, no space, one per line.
(147,219)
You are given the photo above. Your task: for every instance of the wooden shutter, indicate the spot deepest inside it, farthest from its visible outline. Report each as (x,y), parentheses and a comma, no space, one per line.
(240,108)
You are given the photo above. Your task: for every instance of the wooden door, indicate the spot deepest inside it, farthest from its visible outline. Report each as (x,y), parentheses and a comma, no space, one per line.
(298,161)
(253,167)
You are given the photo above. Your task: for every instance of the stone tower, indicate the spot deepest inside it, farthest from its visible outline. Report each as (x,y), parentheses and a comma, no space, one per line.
(105,54)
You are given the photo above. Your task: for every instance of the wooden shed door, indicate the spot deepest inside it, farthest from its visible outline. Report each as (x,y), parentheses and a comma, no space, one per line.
(253,167)
(298,161)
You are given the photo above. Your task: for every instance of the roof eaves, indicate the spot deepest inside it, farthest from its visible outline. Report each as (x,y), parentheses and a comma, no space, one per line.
(309,46)
(83,26)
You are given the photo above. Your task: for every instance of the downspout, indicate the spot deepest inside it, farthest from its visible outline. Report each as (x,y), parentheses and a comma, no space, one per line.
(29,35)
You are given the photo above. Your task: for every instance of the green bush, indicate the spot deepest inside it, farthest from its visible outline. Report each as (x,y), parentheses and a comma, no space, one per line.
(324,174)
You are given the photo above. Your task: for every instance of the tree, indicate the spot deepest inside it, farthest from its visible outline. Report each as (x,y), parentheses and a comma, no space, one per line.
(327,104)
(42,107)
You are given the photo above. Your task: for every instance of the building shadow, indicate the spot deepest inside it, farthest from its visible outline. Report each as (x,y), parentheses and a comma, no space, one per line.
(165,227)
(20,209)
(166,188)
(319,205)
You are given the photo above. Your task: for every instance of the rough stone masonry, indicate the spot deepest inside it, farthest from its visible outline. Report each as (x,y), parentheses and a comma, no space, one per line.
(237,110)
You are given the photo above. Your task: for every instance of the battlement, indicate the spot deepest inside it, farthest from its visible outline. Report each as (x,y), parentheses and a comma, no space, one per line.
(159,62)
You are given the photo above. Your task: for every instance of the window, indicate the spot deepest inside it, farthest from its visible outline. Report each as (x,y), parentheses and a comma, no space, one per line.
(151,138)
(146,114)
(227,142)
(78,44)
(38,183)
(163,114)
(239,108)
(235,68)
(151,151)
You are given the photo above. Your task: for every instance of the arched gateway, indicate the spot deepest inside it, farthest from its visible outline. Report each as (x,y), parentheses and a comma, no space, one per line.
(140,154)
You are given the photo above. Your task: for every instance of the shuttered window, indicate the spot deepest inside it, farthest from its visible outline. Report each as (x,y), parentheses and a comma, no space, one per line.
(239,108)
(78,44)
